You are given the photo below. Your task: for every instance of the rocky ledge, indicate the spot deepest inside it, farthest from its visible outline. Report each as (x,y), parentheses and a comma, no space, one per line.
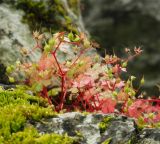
(99,129)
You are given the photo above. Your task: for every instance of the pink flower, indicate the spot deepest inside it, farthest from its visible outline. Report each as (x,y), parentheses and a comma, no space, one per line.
(120,84)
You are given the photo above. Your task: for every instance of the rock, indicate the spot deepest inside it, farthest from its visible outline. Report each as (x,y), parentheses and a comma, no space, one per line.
(73,123)
(149,136)
(13,35)
(120,130)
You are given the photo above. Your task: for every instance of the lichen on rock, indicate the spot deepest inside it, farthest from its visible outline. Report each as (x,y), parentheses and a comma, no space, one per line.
(14,35)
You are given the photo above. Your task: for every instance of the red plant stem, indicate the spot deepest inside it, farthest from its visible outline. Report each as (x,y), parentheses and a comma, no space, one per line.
(84,106)
(63,79)
(45,93)
(75,43)
(84,103)
(63,92)
(57,47)
(101,102)
(92,97)
(60,70)
(78,57)
(80,99)
(132,56)
(76,102)
(150,100)
(97,96)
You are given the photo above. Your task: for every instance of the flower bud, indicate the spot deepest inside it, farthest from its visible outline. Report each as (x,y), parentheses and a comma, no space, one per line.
(11,79)
(142,81)
(47,48)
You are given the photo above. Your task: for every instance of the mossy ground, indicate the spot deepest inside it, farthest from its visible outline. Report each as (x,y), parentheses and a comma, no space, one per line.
(107,141)
(105,123)
(16,110)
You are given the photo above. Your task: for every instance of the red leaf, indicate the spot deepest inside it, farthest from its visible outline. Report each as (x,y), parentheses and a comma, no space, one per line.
(46,62)
(83,81)
(108,105)
(137,108)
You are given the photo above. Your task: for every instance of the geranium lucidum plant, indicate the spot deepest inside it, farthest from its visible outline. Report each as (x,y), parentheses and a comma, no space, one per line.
(82,80)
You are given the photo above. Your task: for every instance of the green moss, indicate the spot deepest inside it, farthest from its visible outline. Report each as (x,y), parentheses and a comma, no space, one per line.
(73,5)
(18,96)
(47,15)
(16,109)
(54,139)
(107,141)
(30,135)
(36,13)
(11,121)
(105,123)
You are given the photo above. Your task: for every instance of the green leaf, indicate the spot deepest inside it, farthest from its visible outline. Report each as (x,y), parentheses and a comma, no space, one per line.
(37,87)
(86,43)
(1,88)
(11,79)
(47,48)
(124,64)
(51,42)
(142,81)
(54,91)
(141,122)
(18,63)
(115,93)
(107,141)
(71,36)
(133,78)
(77,38)
(10,69)
(126,89)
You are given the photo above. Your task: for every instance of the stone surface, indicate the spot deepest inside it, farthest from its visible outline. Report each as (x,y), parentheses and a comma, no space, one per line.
(73,123)
(121,129)
(149,136)
(13,35)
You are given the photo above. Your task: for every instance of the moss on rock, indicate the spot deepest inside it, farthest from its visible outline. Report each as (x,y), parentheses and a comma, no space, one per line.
(107,141)
(30,135)
(16,109)
(105,123)
(48,15)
